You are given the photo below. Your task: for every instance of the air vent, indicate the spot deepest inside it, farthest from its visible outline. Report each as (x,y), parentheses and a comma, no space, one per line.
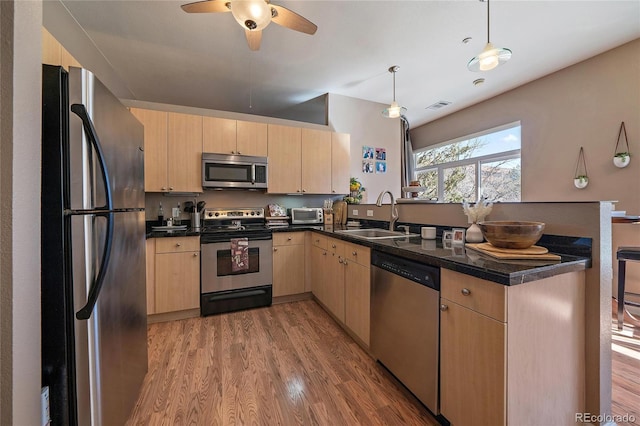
(438,105)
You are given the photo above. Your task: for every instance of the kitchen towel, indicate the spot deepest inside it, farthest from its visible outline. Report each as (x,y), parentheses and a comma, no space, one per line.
(239,254)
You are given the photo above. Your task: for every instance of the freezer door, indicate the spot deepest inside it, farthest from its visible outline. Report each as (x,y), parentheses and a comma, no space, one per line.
(111,346)
(122,139)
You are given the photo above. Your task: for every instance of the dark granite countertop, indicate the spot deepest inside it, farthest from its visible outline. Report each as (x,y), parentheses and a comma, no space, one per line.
(575,256)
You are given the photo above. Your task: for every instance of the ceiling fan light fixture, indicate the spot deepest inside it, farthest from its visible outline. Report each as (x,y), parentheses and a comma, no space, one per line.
(490,57)
(253,15)
(394,110)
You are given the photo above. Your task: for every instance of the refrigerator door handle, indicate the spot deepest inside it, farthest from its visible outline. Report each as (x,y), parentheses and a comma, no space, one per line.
(94,291)
(81,111)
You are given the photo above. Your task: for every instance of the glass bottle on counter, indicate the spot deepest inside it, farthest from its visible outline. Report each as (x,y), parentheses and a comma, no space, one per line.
(160,214)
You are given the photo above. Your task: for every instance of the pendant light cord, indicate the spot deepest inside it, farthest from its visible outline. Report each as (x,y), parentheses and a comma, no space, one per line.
(394,86)
(488,13)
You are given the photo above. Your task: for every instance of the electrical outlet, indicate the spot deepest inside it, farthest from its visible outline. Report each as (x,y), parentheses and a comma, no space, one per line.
(355,212)
(369,213)
(44,402)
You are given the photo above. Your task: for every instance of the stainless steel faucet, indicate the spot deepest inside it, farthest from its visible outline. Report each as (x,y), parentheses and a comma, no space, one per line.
(394,208)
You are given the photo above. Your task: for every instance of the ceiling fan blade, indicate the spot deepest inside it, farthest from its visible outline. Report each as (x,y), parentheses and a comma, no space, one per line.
(292,20)
(207,6)
(253,39)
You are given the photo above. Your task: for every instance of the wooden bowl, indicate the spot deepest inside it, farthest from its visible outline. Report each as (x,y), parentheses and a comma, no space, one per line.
(511,234)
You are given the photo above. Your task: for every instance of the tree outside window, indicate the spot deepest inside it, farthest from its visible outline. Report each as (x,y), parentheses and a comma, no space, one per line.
(486,165)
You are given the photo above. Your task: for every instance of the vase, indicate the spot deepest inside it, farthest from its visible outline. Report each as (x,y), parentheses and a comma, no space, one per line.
(474,234)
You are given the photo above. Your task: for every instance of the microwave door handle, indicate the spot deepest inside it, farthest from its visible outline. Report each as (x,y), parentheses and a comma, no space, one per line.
(253,174)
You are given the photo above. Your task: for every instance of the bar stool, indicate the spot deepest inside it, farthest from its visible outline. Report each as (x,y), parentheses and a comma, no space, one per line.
(624,254)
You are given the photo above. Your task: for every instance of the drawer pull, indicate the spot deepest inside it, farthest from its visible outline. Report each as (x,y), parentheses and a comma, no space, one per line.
(355,253)
(339,260)
(178,245)
(465,291)
(444,307)
(324,253)
(317,241)
(288,238)
(333,246)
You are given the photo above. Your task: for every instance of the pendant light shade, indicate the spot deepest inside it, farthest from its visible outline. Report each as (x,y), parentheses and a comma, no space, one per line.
(394,110)
(491,56)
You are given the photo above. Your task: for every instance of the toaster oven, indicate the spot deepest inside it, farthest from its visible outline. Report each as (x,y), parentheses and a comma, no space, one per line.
(302,215)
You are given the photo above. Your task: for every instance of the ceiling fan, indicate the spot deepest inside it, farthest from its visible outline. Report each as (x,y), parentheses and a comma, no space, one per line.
(254,16)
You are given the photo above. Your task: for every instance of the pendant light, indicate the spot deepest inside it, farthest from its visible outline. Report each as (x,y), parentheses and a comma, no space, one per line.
(394,110)
(491,56)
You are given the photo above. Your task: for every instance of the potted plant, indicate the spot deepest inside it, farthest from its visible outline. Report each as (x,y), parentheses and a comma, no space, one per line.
(356,192)
(581,181)
(621,159)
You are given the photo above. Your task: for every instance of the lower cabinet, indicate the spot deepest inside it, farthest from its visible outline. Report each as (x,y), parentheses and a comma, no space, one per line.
(288,263)
(341,281)
(177,274)
(512,355)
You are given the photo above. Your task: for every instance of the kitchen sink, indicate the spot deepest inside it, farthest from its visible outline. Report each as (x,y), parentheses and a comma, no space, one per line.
(374,234)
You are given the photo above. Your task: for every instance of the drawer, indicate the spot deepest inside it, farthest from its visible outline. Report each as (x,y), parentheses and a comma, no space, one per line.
(288,238)
(319,240)
(177,244)
(335,246)
(357,253)
(482,296)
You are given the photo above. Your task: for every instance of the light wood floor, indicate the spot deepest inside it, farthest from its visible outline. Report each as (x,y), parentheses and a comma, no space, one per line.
(284,365)
(625,359)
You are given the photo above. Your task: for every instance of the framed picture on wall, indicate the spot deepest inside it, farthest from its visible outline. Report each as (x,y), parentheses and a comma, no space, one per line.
(381,167)
(367,166)
(367,152)
(381,154)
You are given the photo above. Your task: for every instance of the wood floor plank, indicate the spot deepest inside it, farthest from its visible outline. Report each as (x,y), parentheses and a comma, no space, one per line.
(291,364)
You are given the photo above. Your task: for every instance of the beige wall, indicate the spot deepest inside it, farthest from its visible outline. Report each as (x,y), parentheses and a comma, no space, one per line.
(363,120)
(581,105)
(20,105)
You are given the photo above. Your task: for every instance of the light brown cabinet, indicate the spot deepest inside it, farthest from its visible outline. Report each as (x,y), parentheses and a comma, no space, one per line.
(316,161)
(512,355)
(177,274)
(303,161)
(340,158)
(151,275)
(53,53)
(357,278)
(285,152)
(225,136)
(288,263)
(341,281)
(172,151)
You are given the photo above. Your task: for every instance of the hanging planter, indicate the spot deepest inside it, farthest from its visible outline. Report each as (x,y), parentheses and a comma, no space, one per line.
(621,159)
(581,180)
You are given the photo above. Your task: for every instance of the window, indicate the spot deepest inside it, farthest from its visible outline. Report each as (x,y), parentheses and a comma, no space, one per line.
(485,164)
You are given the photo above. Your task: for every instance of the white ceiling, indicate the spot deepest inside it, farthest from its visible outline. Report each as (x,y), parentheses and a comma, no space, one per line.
(165,55)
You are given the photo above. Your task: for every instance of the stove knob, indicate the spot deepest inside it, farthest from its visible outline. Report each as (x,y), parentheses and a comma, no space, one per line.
(253,213)
(217,214)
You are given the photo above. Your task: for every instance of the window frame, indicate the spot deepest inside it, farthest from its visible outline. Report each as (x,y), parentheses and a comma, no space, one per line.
(476,161)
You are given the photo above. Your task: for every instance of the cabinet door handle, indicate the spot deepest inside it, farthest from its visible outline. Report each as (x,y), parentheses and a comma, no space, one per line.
(355,253)
(171,188)
(304,190)
(333,246)
(288,238)
(164,188)
(239,153)
(444,307)
(178,245)
(333,191)
(195,254)
(275,249)
(345,262)
(324,253)
(339,260)
(318,241)
(233,152)
(465,291)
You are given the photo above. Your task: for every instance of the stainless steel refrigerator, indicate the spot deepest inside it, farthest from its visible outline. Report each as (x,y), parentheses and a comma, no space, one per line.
(94,327)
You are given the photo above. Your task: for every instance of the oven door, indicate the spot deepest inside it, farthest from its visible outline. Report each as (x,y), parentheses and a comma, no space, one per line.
(216,274)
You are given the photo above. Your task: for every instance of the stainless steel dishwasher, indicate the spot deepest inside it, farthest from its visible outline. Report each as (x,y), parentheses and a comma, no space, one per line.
(405,323)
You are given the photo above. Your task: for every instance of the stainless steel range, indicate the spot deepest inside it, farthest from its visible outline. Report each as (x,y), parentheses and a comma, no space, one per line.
(225,286)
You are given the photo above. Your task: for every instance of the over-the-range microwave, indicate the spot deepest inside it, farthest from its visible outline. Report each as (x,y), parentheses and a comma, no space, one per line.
(233,171)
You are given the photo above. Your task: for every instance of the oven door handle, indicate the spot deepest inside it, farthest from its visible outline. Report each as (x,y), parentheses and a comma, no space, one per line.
(212,239)
(253,174)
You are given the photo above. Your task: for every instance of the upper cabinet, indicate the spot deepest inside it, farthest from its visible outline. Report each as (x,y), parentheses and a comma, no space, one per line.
(307,161)
(224,136)
(53,53)
(316,161)
(285,153)
(340,158)
(173,151)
